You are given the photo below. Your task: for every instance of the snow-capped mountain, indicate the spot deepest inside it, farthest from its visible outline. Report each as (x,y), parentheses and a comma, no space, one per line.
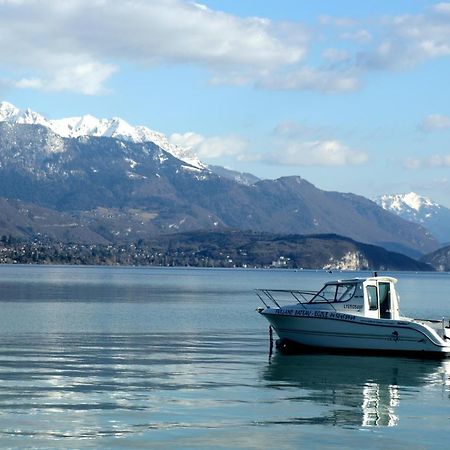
(419,209)
(412,206)
(9,113)
(87,125)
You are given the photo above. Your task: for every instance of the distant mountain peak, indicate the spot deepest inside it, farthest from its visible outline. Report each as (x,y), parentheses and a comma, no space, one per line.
(9,113)
(398,202)
(420,209)
(7,110)
(88,125)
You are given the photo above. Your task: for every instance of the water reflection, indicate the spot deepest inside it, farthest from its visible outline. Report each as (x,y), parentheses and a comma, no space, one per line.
(358,391)
(379,405)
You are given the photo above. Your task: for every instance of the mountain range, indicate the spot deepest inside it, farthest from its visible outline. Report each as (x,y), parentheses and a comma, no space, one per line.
(99,180)
(87,125)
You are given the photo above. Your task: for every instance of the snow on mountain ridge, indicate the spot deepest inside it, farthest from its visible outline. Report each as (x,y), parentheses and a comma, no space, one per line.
(9,113)
(401,202)
(88,125)
(419,209)
(417,202)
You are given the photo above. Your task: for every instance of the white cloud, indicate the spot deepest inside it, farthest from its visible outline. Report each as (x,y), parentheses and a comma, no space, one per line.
(335,55)
(412,163)
(77,44)
(28,83)
(389,43)
(435,122)
(292,142)
(210,147)
(317,153)
(443,7)
(392,43)
(409,39)
(307,78)
(86,78)
(431,162)
(360,36)
(439,161)
(300,144)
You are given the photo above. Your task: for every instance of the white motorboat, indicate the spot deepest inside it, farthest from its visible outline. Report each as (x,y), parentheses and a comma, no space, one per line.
(360,314)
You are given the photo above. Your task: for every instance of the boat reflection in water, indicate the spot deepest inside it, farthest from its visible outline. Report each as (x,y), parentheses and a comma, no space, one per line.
(354,390)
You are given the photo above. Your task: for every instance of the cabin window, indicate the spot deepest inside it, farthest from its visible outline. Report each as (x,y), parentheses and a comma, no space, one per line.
(372,297)
(345,292)
(335,293)
(328,293)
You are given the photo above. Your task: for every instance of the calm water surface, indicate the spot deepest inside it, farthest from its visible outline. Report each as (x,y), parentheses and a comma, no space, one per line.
(177,358)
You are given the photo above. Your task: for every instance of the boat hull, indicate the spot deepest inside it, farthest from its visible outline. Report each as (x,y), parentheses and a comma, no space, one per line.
(325,330)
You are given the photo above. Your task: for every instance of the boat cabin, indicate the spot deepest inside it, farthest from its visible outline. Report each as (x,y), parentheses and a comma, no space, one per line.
(374,297)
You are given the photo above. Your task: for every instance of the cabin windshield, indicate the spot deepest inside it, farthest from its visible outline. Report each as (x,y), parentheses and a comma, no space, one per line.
(335,292)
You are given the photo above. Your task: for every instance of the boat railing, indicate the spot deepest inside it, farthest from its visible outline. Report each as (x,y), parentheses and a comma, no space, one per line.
(282,297)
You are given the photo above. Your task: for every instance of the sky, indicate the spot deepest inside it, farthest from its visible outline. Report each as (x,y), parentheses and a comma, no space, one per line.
(353,96)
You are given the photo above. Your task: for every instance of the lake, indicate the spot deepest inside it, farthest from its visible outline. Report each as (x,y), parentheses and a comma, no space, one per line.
(114,357)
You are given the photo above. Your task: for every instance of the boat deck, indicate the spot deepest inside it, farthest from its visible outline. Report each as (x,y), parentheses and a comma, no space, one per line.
(439,326)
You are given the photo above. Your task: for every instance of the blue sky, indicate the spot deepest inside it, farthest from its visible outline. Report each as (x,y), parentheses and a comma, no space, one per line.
(351,95)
